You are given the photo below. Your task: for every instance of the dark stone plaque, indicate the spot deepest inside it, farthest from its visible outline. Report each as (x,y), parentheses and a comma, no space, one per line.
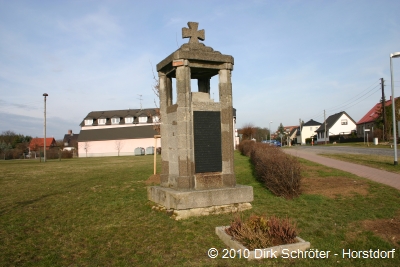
(207,141)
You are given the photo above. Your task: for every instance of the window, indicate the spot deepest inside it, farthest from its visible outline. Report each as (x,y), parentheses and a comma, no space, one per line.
(88,121)
(115,120)
(344,121)
(156,119)
(101,121)
(129,120)
(142,119)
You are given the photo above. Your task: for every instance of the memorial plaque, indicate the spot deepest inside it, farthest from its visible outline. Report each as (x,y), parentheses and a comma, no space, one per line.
(207,141)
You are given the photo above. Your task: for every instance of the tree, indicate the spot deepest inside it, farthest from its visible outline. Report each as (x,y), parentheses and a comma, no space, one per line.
(261,134)
(86,146)
(388,131)
(156,91)
(60,144)
(118,145)
(248,131)
(5,148)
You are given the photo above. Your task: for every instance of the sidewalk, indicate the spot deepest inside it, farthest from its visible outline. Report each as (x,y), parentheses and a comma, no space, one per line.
(384,177)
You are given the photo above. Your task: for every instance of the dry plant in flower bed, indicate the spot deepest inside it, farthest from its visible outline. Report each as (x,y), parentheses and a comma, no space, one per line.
(262,232)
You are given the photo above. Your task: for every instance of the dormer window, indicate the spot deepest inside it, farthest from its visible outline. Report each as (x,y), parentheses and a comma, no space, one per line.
(142,119)
(101,121)
(129,120)
(115,120)
(88,121)
(156,119)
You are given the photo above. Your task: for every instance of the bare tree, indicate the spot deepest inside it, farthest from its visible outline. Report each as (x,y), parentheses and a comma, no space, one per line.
(118,145)
(248,131)
(86,146)
(156,90)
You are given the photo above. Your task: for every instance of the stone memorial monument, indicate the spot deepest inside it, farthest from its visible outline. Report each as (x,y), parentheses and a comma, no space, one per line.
(197,176)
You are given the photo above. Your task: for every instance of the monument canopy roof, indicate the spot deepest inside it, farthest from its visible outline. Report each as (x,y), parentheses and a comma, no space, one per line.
(203,60)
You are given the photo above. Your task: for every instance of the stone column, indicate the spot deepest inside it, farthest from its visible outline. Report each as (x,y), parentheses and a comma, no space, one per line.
(225,99)
(164,99)
(185,180)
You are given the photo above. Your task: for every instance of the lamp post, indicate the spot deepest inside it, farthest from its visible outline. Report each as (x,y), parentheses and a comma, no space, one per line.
(44,140)
(396,54)
(270,132)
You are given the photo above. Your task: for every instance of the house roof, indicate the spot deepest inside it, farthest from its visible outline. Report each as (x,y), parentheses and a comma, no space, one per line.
(374,112)
(311,123)
(122,114)
(119,133)
(70,138)
(39,142)
(308,123)
(331,120)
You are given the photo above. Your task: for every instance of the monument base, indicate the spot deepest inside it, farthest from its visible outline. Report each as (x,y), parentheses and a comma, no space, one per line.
(184,214)
(201,202)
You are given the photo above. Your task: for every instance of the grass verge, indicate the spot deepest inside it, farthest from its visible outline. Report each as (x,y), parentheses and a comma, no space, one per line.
(375,161)
(95,212)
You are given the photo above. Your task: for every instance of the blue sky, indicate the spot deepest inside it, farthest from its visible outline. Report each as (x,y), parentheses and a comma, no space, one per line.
(293,59)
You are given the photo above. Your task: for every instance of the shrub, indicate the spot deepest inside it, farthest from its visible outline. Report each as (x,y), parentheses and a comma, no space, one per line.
(278,171)
(246,146)
(262,232)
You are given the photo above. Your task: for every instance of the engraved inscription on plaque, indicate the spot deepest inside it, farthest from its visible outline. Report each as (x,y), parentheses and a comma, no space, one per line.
(207,141)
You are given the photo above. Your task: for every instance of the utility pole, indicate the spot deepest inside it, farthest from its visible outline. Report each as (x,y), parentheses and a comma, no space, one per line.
(44,140)
(383,107)
(140,99)
(325,126)
(301,137)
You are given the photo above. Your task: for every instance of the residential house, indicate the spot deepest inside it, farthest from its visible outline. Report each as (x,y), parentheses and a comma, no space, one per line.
(369,119)
(307,131)
(290,132)
(37,144)
(70,141)
(117,132)
(337,124)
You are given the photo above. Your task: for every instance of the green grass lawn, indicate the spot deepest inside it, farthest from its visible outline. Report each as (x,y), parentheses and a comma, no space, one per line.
(375,161)
(95,212)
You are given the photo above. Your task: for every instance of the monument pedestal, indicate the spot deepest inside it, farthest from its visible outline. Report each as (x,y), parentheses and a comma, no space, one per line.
(187,203)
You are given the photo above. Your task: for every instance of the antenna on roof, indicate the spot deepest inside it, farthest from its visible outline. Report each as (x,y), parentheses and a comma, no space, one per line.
(140,99)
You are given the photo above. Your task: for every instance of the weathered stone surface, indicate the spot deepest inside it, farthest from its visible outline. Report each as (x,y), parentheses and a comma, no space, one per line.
(188,199)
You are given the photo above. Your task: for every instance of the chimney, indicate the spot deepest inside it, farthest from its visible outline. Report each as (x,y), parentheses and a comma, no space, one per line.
(70,132)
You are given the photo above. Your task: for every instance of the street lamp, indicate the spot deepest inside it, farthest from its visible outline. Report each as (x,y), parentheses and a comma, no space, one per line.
(396,54)
(270,132)
(44,141)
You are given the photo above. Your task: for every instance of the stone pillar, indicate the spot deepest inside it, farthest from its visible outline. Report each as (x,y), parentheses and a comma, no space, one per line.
(204,85)
(225,99)
(185,179)
(164,103)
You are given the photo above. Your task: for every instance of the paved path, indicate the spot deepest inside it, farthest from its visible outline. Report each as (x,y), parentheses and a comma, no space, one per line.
(384,177)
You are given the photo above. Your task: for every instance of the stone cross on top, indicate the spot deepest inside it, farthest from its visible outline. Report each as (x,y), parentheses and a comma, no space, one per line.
(193,33)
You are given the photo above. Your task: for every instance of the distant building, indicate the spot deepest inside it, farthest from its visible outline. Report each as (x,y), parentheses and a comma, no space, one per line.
(37,144)
(70,141)
(337,124)
(117,132)
(307,131)
(369,119)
